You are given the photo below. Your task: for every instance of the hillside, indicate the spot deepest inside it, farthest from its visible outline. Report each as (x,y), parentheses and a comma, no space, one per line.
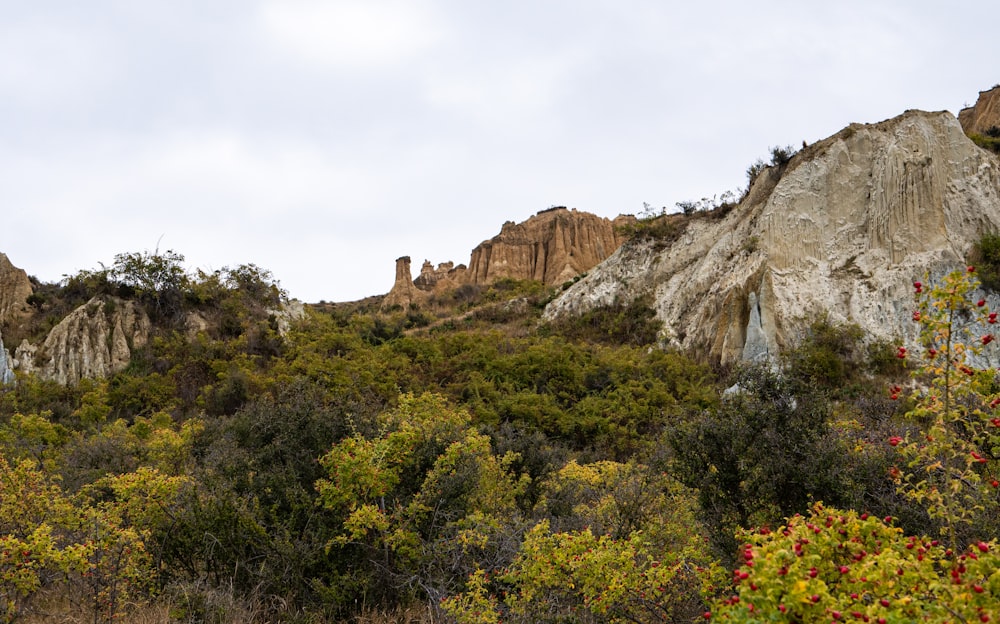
(841,231)
(778,409)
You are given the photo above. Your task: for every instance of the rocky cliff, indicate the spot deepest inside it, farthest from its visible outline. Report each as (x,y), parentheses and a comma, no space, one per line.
(984,114)
(95,340)
(552,247)
(15,288)
(841,230)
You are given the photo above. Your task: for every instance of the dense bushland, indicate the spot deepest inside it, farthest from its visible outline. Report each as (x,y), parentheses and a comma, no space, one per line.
(461,461)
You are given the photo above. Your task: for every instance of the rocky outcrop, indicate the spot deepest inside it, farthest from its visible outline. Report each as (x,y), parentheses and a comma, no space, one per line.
(404,293)
(984,114)
(842,230)
(443,278)
(552,247)
(95,340)
(6,370)
(15,288)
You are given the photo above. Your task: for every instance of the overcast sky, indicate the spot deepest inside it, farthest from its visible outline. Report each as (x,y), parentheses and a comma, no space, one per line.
(323,139)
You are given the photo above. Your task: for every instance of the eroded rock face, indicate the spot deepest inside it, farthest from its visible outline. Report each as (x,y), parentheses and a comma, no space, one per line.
(95,340)
(842,231)
(984,114)
(552,247)
(6,370)
(404,293)
(15,288)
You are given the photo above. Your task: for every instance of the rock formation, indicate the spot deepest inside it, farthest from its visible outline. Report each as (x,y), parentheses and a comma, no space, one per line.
(842,230)
(6,370)
(552,247)
(445,277)
(404,293)
(984,114)
(15,288)
(95,340)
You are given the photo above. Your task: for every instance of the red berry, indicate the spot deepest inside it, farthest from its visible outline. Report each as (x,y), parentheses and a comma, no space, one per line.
(707,615)
(884,602)
(970,269)
(977,588)
(981,303)
(987,339)
(983,547)
(815,598)
(844,569)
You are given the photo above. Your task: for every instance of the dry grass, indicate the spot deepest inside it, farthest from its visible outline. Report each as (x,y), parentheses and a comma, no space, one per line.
(212,607)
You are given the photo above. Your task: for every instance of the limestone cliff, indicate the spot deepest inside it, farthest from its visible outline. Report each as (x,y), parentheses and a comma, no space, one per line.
(95,340)
(842,230)
(984,114)
(15,288)
(552,247)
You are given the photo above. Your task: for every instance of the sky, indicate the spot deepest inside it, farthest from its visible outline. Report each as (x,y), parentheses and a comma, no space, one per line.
(321,140)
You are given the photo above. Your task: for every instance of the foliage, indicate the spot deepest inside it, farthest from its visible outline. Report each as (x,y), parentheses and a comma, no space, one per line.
(633,323)
(952,459)
(427,488)
(841,566)
(765,453)
(986,140)
(780,157)
(661,230)
(624,552)
(985,256)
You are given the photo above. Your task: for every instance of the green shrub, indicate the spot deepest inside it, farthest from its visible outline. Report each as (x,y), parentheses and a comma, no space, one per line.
(985,256)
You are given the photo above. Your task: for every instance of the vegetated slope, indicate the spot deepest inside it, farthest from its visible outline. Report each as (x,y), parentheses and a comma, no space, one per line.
(842,229)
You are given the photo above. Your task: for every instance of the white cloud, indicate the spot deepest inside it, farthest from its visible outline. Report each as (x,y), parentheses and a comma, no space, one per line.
(349,34)
(43,62)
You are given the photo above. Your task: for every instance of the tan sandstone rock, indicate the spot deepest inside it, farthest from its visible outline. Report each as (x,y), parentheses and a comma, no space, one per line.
(15,288)
(842,231)
(552,247)
(984,114)
(404,293)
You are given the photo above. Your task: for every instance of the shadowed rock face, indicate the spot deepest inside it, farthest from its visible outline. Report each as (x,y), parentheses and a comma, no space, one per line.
(15,288)
(842,231)
(984,114)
